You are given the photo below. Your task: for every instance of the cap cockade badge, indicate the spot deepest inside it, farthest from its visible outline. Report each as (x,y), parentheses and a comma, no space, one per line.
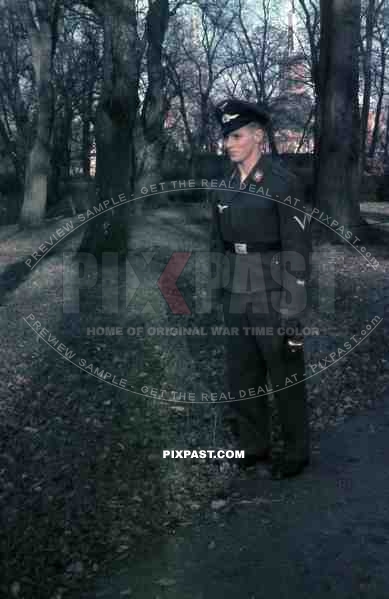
(258,176)
(226,118)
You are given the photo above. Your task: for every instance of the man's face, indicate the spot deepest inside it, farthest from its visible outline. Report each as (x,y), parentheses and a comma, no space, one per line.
(243,143)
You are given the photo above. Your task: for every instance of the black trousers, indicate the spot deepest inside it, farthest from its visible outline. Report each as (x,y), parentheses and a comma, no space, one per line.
(257,350)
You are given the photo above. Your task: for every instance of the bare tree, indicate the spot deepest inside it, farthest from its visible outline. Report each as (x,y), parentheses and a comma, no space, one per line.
(311,17)
(178,91)
(337,190)
(385,150)
(42,20)
(116,119)
(77,85)
(197,57)
(366,51)
(379,72)
(15,99)
(257,50)
(154,106)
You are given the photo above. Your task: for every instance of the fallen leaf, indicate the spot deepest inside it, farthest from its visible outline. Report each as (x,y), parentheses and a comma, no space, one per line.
(217,504)
(166,582)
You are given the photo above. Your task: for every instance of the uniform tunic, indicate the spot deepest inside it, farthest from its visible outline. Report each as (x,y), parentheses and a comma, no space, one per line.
(262,291)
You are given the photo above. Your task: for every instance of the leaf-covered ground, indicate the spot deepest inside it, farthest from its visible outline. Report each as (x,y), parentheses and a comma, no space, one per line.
(82,479)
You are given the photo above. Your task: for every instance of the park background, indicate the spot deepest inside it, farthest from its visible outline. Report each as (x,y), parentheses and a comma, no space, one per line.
(103,98)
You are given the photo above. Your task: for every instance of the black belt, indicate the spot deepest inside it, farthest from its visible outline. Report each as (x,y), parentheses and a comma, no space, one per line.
(251,247)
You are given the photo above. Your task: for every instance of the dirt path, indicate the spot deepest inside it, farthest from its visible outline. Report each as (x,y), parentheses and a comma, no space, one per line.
(323,534)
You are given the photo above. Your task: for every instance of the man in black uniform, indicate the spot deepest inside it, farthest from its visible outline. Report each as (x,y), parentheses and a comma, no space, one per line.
(260,244)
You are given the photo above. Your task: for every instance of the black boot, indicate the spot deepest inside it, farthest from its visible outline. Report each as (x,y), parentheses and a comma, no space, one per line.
(252,459)
(288,467)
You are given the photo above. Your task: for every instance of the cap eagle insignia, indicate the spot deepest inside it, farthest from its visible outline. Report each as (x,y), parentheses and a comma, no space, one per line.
(226,118)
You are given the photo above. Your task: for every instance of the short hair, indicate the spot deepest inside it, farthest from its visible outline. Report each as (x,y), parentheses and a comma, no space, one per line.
(255,125)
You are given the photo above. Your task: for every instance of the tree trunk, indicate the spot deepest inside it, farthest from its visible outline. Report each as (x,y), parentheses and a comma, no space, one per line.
(154,106)
(61,152)
(115,125)
(386,145)
(376,129)
(339,142)
(305,131)
(203,136)
(312,20)
(86,136)
(366,60)
(43,43)
(272,140)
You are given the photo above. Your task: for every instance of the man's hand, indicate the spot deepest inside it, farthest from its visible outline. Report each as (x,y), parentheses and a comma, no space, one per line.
(294,338)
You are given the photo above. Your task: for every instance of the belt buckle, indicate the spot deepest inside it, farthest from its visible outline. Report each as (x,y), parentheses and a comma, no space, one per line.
(240,248)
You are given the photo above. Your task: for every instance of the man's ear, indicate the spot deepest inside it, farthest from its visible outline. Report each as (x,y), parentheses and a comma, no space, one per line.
(258,136)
